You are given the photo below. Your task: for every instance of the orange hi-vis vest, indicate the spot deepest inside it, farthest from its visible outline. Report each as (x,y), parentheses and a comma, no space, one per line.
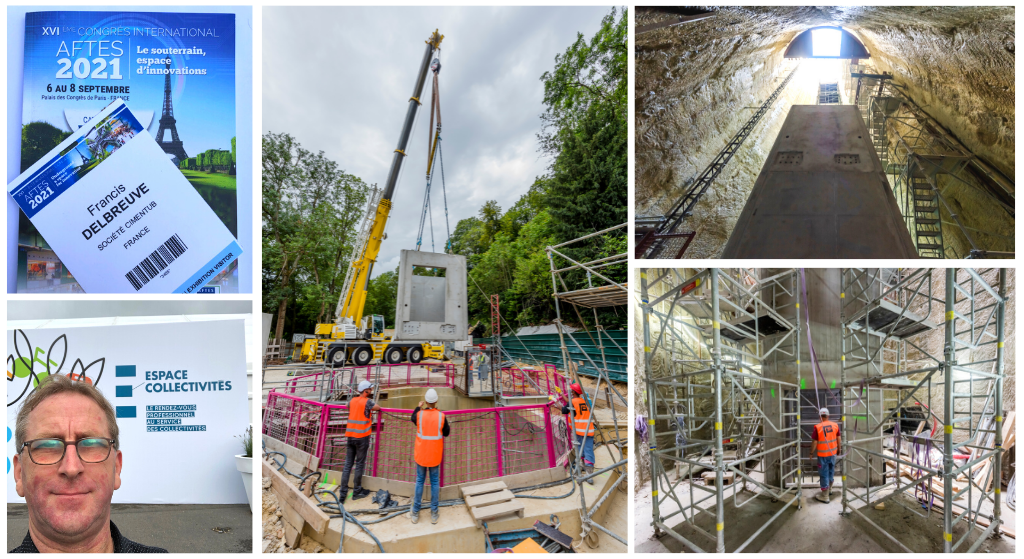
(828,438)
(429,449)
(582,418)
(358,424)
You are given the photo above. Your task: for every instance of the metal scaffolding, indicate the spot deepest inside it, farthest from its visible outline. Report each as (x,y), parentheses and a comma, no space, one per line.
(922,161)
(719,329)
(608,293)
(885,314)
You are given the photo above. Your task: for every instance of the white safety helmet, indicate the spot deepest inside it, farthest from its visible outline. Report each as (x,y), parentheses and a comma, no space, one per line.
(365,385)
(824,411)
(431,396)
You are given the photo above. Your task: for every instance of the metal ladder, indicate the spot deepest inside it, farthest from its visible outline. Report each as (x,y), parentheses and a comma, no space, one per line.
(927,221)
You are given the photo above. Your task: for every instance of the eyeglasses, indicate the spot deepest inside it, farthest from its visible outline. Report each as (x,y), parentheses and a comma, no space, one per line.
(46,452)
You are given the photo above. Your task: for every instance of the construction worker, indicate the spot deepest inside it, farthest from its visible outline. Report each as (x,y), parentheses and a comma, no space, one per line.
(584,428)
(357,438)
(431,428)
(825,442)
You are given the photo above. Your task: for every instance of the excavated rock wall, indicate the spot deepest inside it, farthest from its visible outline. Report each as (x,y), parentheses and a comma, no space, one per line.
(698,83)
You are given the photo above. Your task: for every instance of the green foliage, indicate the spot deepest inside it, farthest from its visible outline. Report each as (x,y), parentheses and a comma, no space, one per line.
(37,139)
(310,211)
(247,442)
(382,297)
(589,190)
(588,74)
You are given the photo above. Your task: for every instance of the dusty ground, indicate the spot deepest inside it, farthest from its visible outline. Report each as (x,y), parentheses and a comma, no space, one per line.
(698,83)
(820,526)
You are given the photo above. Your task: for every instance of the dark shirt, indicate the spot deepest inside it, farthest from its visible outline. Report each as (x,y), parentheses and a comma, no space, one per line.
(369,407)
(446,430)
(121,544)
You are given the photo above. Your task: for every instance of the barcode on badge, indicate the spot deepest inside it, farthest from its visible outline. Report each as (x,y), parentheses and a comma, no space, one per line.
(156,262)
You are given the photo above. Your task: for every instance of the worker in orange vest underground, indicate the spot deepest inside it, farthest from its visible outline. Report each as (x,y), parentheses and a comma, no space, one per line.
(431,429)
(583,426)
(357,439)
(825,442)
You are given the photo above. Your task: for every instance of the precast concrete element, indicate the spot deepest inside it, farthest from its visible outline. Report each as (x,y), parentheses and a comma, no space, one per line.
(431,308)
(822,193)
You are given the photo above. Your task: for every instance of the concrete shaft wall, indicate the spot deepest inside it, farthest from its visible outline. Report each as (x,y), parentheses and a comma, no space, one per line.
(823,305)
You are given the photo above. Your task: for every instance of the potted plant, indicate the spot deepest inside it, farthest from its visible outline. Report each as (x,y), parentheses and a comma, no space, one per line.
(244,464)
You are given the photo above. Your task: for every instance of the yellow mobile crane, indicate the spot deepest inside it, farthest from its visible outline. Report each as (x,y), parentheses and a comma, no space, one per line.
(361,345)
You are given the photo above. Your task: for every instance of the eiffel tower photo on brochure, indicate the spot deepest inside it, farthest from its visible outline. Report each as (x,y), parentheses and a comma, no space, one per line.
(184,78)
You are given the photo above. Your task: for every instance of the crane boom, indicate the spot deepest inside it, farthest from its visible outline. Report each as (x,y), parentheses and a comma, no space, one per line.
(350,307)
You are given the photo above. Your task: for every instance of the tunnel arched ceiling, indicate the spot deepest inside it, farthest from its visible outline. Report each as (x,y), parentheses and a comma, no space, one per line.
(697,83)
(803,45)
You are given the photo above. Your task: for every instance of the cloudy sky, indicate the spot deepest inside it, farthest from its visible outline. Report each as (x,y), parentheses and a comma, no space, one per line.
(339,80)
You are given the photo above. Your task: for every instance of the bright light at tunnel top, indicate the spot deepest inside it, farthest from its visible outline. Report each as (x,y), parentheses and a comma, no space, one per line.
(825,42)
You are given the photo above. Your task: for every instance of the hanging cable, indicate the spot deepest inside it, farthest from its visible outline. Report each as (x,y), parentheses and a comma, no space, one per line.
(444,194)
(433,142)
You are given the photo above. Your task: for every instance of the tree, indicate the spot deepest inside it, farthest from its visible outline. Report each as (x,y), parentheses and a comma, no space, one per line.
(586,131)
(588,74)
(37,139)
(310,208)
(382,297)
(490,220)
(589,190)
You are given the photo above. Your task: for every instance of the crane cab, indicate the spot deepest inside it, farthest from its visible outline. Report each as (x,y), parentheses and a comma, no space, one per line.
(373,328)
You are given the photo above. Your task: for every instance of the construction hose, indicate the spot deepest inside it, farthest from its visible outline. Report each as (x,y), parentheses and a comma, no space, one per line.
(346,516)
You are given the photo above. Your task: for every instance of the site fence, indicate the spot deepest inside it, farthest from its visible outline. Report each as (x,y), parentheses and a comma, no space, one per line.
(483,443)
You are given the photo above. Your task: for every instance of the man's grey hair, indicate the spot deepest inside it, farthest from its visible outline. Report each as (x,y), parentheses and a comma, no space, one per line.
(60,384)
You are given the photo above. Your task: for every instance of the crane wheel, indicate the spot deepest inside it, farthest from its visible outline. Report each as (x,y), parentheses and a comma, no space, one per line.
(415,354)
(337,358)
(393,355)
(362,356)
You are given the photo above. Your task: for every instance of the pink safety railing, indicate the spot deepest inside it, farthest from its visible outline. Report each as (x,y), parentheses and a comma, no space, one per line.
(484,443)
(440,375)
(294,421)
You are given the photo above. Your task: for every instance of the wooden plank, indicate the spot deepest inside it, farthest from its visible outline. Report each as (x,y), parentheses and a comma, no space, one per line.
(727,477)
(489,498)
(292,535)
(290,516)
(288,493)
(295,456)
(483,488)
(516,508)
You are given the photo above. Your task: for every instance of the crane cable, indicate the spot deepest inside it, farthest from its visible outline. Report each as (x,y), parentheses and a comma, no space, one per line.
(434,146)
